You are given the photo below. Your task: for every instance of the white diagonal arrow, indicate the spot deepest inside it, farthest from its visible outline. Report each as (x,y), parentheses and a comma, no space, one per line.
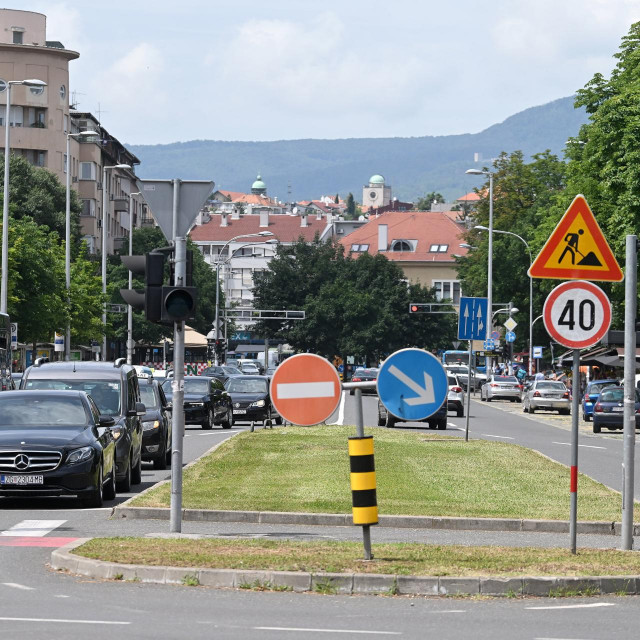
(426,395)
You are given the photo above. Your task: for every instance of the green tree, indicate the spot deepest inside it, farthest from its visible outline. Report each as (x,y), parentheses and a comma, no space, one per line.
(351,208)
(86,300)
(336,200)
(424,203)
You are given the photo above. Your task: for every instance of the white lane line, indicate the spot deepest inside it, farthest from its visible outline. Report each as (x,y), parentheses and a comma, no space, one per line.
(340,420)
(61,596)
(304,390)
(63,620)
(379,633)
(490,435)
(15,585)
(33,528)
(586,446)
(451,611)
(575,606)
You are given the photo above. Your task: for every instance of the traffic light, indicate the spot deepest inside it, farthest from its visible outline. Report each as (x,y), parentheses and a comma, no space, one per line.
(220,347)
(417,307)
(178,304)
(150,298)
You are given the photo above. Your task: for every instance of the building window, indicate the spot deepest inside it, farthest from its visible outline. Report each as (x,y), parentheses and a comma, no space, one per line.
(64,163)
(359,247)
(65,123)
(36,91)
(447,290)
(89,207)
(63,91)
(401,245)
(3,85)
(247,278)
(438,248)
(17,37)
(87,171)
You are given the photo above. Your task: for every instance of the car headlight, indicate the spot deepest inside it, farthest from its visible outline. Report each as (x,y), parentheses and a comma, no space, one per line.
(258,403)
(80,455)
(148,425)
(197,404)
(116,432)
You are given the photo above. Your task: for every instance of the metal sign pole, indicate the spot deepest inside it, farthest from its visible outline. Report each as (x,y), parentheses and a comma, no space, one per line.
(366,529)
(629,429)
(575,403)
(466,429)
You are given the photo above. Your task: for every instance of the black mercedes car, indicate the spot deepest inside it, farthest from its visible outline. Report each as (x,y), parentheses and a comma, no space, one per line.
(251,399)
(205,401)
(222,372)
(156,424)
(56,443)
(438,420)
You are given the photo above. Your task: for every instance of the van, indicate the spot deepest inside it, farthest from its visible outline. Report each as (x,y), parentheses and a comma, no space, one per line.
(114,388)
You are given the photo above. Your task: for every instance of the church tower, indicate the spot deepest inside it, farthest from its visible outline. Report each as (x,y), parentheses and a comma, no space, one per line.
(376,193)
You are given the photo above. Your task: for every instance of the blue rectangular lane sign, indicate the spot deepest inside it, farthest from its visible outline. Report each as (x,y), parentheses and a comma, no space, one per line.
(472,321)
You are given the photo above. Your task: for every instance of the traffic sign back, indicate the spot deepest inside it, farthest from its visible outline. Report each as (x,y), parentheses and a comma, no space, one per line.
(412,384)
(577,249)
(305,389)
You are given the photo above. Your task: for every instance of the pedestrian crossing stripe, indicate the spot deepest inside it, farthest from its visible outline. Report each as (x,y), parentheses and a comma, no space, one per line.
(577,249)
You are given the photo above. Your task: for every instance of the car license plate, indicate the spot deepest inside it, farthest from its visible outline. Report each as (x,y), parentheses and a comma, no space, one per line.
(617,409)
(21,480)
(235,411)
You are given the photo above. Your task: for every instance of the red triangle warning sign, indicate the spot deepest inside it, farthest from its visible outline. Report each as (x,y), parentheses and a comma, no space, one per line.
(577,249)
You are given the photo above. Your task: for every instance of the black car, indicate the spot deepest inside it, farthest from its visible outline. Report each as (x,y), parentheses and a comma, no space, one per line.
(608,412)
(365,375)
(156,424)
(114,388)
(205,401)
(438,420)
(56,443)
(222,372)
(251,399)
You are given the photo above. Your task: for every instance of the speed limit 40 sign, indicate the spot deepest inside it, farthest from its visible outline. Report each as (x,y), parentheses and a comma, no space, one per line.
(577,314)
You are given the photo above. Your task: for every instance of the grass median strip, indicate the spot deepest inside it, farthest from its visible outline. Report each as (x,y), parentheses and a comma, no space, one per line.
(344,557)
(307,469)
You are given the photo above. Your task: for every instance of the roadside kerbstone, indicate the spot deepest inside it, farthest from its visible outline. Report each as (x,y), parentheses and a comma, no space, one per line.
(545,526)
(538,586)
(418,586)
(249,578)
(578,583)
(412,522)
(340,582)
(619,584)
(217,577)
(63,560)
(456,586)
(298,580)
(374,583)
(124,571)
(501,586)
(152,574)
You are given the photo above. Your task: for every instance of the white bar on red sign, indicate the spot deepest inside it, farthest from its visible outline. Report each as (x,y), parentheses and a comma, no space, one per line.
(299,390)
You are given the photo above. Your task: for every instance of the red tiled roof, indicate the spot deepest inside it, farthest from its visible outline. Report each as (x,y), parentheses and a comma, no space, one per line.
(285,228)
(470,197)
(248,198)
(427,228)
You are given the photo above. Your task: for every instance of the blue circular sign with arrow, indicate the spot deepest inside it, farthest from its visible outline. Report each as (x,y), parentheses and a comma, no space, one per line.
(412,384)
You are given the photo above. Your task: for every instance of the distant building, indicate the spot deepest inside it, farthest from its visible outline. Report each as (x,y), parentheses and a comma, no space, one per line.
(376,193)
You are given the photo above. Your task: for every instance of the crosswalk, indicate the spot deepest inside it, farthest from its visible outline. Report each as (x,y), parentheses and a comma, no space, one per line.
(33,533)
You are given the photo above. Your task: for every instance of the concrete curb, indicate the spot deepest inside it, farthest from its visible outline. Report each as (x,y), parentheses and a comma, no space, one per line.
(63,559)
(400,522)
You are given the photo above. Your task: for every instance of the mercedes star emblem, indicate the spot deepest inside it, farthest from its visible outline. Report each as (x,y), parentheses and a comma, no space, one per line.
(21,462)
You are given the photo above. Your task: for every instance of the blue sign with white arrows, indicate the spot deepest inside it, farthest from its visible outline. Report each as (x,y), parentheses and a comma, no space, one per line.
(412,384)
(472,321)
(510,336)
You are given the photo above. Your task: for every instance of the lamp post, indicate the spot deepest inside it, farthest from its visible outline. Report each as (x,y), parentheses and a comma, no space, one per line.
(5,203)
(104,251)
(130,342)
(217,317)
(526,244)
(489,174)
(67,237)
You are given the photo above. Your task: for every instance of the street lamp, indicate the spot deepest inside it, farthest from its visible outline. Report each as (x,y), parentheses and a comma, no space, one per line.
(130,342)
(465,245)
(5,203)
(244,235)
(67,236)
(489,174)
(104,251)
(526,244)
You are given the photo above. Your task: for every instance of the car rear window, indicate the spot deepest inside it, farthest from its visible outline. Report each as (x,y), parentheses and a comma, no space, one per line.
(246,385)
(505,379)
(597,388)
(612,395)
(193,385)
(41,411)
(558,386)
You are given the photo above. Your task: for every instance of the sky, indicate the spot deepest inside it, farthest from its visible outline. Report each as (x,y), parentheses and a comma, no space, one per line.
(162,72)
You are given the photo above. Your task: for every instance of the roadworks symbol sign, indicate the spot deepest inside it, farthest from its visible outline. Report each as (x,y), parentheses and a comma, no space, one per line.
(577,249)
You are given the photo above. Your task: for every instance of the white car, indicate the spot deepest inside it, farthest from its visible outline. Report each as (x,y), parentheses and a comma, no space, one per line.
(455,397)
(506,387)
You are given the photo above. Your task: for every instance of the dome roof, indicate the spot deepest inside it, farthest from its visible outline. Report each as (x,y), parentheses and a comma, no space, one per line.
(377,179)
(258,184)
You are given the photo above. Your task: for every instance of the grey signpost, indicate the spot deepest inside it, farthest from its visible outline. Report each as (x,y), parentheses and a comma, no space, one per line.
(175,205)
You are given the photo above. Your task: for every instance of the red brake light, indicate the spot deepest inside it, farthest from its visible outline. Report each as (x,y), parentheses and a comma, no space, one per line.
(456,389)
(493,384)
(565,394)
(356,380)
(537,394)
(598,408)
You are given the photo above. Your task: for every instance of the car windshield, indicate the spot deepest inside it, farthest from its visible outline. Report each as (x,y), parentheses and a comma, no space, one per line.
(246,385)
(457,369)
(558,386)
(613,395)
(232,371)
(597,387)
(193,385)
(148,397)
(505,379)
(41,411)
(105,393)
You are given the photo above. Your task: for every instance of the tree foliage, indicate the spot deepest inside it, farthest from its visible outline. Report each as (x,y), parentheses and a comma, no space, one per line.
(424,203)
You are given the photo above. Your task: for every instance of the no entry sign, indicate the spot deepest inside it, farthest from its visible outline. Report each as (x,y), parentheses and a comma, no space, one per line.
(577,314)
(305,389)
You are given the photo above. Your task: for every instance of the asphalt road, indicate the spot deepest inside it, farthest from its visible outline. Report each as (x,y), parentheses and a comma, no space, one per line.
(36,602)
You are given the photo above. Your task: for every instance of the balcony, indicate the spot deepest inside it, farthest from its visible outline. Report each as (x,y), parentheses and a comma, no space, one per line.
(120,203)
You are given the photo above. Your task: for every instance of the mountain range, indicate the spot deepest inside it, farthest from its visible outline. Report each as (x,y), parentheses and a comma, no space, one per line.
(306,169)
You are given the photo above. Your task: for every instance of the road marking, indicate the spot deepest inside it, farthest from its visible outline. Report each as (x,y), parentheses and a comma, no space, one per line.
(576,606)
(29,541)
(381,633)
(490,435)
(340,420)
(15,585)
(303,390)
(61,596)
(33,528)
(62,620)
(586,446)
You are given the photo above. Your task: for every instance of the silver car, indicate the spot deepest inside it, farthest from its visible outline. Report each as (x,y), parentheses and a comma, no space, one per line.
(506,387)
(455,397)
(547,394)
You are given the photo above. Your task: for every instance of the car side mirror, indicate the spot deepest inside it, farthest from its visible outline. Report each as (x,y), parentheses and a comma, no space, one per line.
(107,421)
(140,409)
(168,407)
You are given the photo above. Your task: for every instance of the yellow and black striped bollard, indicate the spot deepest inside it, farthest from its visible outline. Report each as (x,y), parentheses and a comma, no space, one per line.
(363,486)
